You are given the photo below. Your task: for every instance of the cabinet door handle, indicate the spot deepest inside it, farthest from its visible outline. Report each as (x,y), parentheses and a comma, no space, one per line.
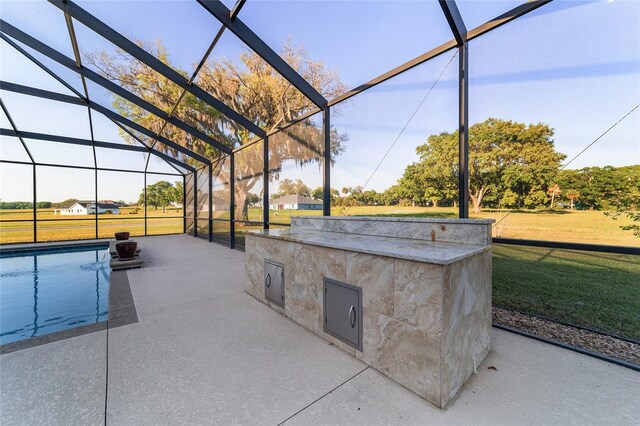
(267,280)
(352,316)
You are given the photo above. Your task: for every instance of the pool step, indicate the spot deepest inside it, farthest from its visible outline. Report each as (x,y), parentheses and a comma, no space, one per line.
(117,265)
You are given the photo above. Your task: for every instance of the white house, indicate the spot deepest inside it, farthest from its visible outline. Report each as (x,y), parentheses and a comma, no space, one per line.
(89,207)
(295,202)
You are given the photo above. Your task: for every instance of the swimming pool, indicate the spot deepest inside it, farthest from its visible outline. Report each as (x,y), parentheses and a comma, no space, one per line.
(44,291)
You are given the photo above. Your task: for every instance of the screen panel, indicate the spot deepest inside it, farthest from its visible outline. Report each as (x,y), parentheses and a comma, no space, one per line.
(562,117)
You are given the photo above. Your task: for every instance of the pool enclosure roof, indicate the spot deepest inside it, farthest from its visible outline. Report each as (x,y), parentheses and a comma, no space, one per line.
(85,88)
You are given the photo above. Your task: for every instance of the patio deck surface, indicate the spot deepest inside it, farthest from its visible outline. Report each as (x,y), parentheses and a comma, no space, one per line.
(205,352)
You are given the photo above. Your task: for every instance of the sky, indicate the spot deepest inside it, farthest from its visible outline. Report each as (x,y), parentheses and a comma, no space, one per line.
(574,65)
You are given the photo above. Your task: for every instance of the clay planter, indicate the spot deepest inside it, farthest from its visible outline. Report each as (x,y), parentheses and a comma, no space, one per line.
(126,250)
(120,236)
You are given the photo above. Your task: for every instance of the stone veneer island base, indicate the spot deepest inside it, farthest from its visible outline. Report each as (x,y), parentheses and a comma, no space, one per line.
(425,291)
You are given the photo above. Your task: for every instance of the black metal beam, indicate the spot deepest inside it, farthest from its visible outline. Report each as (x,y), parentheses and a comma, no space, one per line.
(31,91)
(76,54)
(41,93)
(236,9)
(72,9)
(455,21)
(24,163)
(283,126)
(265,183)
(68,86)
(42,66)
(86,142)
(326,163)
(506,17)
(150,148)
(255,43)
(570,246)
(173,162)
(69,140)
(210,198)
(76,49)
(139,128)
(184,204)
(144,200)
(445,47)
(35,206)
(193,77)
(195,204)
(459,30)
(106,169)
(232,202)
(35,44)
(15,128)
(463,131)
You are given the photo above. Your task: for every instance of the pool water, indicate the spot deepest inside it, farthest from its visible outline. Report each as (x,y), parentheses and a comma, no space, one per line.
(44,291)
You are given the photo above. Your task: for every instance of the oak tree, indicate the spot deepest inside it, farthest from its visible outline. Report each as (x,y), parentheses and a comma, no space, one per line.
(249,86)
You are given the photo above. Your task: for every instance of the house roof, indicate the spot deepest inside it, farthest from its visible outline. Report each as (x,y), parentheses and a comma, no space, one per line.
(294,199)
(108,206)
(69,205)
(87,204)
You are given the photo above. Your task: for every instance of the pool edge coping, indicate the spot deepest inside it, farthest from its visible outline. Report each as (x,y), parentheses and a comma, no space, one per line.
(26,247)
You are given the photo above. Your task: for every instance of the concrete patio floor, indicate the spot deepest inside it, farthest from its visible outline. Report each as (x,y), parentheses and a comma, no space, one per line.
(205,352)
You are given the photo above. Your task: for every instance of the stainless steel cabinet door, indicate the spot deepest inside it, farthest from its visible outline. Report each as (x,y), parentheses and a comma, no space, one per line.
(343,312)
(274,282)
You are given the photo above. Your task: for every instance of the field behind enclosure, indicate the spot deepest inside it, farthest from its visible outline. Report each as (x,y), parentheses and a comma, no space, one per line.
(579,226)
(56,227)
(48,214)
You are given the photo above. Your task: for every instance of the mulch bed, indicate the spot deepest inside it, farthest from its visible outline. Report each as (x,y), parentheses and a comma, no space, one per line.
(584,339)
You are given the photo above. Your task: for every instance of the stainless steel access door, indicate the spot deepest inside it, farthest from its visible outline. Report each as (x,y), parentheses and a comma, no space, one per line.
(343,312)
(274,282)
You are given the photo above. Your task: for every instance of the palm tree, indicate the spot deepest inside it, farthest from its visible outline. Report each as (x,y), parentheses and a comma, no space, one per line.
(573,195)
(553,191)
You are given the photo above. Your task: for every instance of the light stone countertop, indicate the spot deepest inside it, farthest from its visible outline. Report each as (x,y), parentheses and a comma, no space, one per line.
(436,252)
(402,219)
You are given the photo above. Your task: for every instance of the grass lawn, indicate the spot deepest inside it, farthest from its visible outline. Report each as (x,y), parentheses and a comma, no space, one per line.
(595,290)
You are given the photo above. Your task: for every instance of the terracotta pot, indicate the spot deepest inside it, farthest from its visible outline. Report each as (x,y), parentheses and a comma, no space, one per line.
(126,250)
(120,236)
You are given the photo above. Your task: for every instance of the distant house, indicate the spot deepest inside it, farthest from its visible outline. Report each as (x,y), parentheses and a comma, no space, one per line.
(89,207)
(295,202)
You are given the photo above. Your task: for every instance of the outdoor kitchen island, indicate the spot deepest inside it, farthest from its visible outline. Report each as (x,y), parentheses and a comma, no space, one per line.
(410,297)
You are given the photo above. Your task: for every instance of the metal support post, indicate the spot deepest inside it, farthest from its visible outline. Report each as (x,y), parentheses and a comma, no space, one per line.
(326,162)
